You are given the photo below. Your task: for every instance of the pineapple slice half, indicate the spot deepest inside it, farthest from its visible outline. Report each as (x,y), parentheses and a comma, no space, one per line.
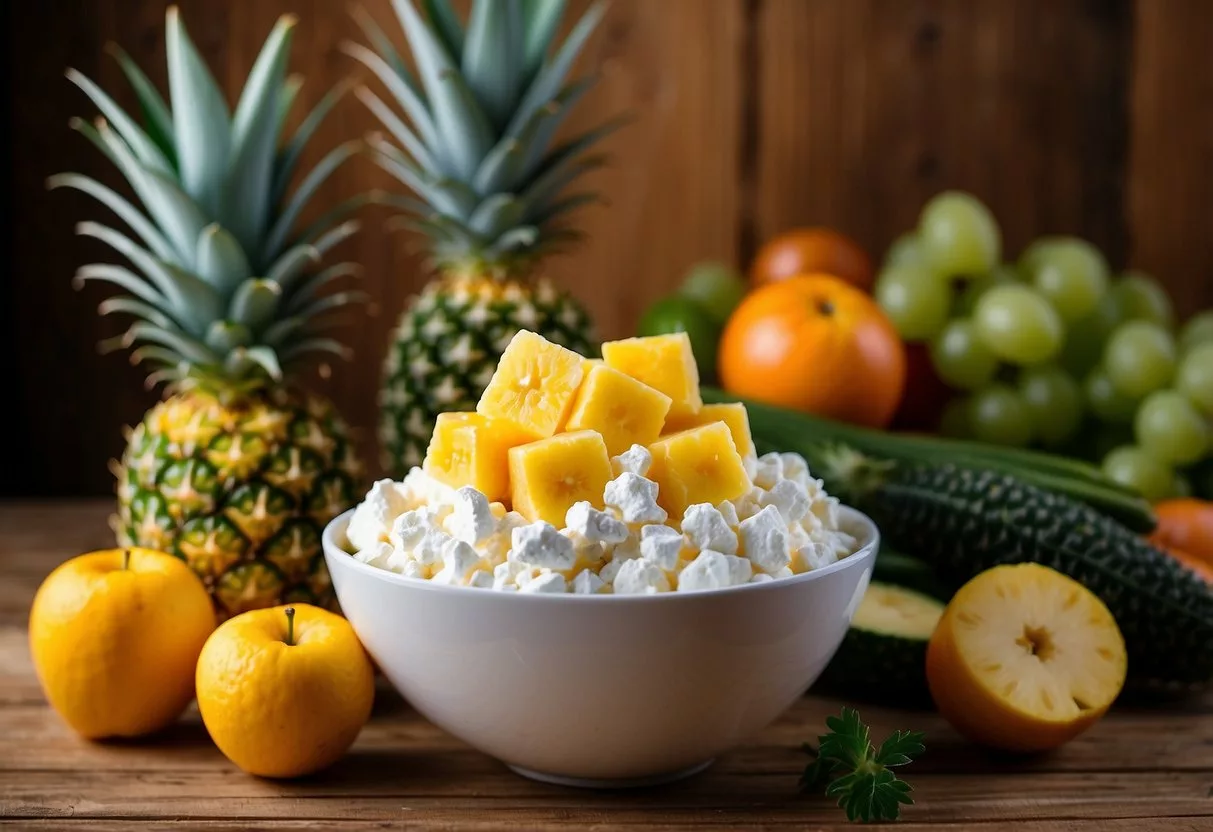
(534,385)
(1025,659)
(548,476)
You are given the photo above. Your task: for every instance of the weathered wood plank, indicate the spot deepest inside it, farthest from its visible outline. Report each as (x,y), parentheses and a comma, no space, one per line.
(1171,147)
(498,821)
(387,788)
(867,108)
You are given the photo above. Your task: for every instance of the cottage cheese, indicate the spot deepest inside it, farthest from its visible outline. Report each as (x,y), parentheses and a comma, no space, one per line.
(785,525)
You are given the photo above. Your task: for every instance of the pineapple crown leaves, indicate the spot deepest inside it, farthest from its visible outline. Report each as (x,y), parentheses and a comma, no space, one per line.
(480,116)
(222,289)
(857,773)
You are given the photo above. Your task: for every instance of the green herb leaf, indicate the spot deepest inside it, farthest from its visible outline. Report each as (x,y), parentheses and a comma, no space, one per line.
(858,775)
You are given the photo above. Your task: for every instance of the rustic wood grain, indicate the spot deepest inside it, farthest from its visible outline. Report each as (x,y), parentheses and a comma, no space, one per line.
(1140,768)
(1172,147)
(868,108)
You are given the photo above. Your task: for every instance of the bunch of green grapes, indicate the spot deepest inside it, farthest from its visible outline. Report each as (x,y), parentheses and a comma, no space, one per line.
(1053,351)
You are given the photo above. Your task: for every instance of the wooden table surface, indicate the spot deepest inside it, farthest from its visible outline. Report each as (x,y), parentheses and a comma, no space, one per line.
(1141,768)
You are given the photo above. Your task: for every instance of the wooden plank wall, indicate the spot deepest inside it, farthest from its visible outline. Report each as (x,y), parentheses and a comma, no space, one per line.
(1092,117)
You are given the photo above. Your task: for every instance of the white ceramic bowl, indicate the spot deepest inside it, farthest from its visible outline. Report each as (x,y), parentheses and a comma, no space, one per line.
(602,690)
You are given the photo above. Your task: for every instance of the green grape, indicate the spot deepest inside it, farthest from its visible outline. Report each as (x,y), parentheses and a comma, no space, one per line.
(959,234)
(1133,468)
(1139,358)
(1071,274)
(717,287)
(1170,428)
(915,300)
(906,250)
(1085,339)
(955,419)
(1018,325)
(960,357)
(1195,377)
(1138,297)
(1198,330)
(1055,402)
(999,415)
(975,287)
(1106,402)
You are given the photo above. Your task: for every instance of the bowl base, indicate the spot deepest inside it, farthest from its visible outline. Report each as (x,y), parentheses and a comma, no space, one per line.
(612,783)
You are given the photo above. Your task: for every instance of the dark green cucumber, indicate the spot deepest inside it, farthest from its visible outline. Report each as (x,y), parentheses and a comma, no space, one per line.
(892,567)
(964,521)
(776,428)
(883,655)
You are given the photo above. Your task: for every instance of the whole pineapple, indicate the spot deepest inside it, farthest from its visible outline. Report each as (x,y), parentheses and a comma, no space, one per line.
(476,149)
(235,471)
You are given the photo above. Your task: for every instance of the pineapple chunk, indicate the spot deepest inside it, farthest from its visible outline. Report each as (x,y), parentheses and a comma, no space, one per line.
(732,414)
(534,385)
(470,449)
(664,362)
(625,411)
(548,476)
(700,465)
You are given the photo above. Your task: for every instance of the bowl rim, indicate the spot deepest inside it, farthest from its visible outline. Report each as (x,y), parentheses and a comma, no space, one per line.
(851,516)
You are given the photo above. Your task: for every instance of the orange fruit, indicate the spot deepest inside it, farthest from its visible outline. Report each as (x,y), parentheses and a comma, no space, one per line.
(817,344)
(1025,659)
(115,636)
(284,691)
(1185,524)
(812,250)
(1200,566)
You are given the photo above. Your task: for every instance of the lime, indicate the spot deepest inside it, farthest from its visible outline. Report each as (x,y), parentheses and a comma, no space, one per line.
(716,287)
(681,314)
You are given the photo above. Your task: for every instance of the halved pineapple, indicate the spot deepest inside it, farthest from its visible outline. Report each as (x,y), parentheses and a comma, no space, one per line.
(534,385)
(471,449)
(625,411)
(732,414)
(664,362)
(1025,658)
(700,465)
(548,476)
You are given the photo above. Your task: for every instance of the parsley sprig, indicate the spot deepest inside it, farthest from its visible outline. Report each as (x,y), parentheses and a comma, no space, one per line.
(858,774)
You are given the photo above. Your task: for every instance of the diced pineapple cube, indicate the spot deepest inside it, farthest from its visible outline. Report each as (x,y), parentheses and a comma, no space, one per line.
(664,362)
(470,449)
(534,385)
(625,411)
(732,414)
(700,465)
(548,476)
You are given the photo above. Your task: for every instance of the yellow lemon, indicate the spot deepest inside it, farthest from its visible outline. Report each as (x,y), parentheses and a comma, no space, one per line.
(284,691)
(115,636)
(1025,659)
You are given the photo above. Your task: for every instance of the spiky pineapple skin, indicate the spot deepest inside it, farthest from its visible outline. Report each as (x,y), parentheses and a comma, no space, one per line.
(241,492)
(447,344)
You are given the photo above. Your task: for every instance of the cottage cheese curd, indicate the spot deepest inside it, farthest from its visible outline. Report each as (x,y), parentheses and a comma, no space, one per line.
(786,525)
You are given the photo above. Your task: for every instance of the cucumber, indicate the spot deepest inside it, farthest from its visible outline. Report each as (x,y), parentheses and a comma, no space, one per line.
(892,567)
(963,521)
(779,429)
(883,655)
